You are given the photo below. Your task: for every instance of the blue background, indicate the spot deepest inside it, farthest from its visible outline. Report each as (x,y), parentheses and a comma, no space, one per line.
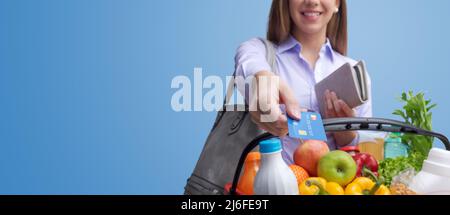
(85,84)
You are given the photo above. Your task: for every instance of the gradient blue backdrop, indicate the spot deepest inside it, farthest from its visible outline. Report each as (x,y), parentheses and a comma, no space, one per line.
(85,84)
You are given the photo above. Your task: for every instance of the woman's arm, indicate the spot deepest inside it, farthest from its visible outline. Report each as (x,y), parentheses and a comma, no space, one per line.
(265,107)
(338,108)
(251,58)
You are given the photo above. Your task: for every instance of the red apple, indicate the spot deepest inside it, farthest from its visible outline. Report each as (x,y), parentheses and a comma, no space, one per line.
(308,154)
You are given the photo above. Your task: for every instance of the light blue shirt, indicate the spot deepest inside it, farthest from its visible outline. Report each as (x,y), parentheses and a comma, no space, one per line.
(299,75)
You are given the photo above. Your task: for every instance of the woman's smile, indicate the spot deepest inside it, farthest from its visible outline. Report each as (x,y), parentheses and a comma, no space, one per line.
(311,15)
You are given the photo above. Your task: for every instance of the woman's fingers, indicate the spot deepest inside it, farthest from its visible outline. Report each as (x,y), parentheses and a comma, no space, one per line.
(287,97)
(274,129)
(337,107)
(255,116)
(329,109)
(346,110)
(277,125)
(268,100)
(281,125)
(328,102)
(341,108)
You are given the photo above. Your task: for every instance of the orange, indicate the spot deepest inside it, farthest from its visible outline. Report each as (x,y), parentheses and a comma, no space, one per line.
(247,179)
(300,173)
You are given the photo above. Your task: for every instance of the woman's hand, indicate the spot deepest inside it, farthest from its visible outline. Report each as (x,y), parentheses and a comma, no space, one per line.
(270,91)
(338,108)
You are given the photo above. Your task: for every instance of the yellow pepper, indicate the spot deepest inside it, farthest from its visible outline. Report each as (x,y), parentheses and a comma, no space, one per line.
(320,186)
(359,186)
(365,186)
(383,190)
(334,188)
(313,189)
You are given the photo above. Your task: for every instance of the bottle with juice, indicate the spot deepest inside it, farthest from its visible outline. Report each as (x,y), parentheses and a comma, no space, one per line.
(372,142)
(251,167)
(274,176)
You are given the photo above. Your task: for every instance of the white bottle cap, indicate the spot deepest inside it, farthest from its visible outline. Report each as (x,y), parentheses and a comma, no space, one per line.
(439,156)
(438,162)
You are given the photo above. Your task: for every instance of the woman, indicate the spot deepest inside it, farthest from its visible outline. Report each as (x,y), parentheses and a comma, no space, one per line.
(311,42)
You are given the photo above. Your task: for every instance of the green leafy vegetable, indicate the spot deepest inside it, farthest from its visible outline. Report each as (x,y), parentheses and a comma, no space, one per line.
(391,167)
(416,111)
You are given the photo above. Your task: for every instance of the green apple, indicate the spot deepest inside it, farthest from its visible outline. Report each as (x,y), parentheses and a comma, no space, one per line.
(337,166)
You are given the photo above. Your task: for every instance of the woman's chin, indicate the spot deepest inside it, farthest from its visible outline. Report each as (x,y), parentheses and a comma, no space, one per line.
(312,29)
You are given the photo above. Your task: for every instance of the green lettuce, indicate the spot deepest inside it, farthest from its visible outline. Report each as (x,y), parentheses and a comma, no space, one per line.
(416,111)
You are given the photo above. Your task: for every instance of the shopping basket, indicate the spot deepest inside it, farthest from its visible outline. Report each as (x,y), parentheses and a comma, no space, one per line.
(336,125)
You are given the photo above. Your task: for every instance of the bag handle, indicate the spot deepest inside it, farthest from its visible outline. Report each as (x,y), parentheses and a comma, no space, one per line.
(247,149)
(345,124)
(379,124)
(271,59)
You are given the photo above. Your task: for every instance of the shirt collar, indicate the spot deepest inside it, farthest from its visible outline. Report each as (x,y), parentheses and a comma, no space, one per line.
(292,44)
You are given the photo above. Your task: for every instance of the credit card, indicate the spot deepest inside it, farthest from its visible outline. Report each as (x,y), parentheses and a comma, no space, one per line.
(310,127)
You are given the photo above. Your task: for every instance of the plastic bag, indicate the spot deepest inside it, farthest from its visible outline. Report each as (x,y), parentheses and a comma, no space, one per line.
(400,183)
